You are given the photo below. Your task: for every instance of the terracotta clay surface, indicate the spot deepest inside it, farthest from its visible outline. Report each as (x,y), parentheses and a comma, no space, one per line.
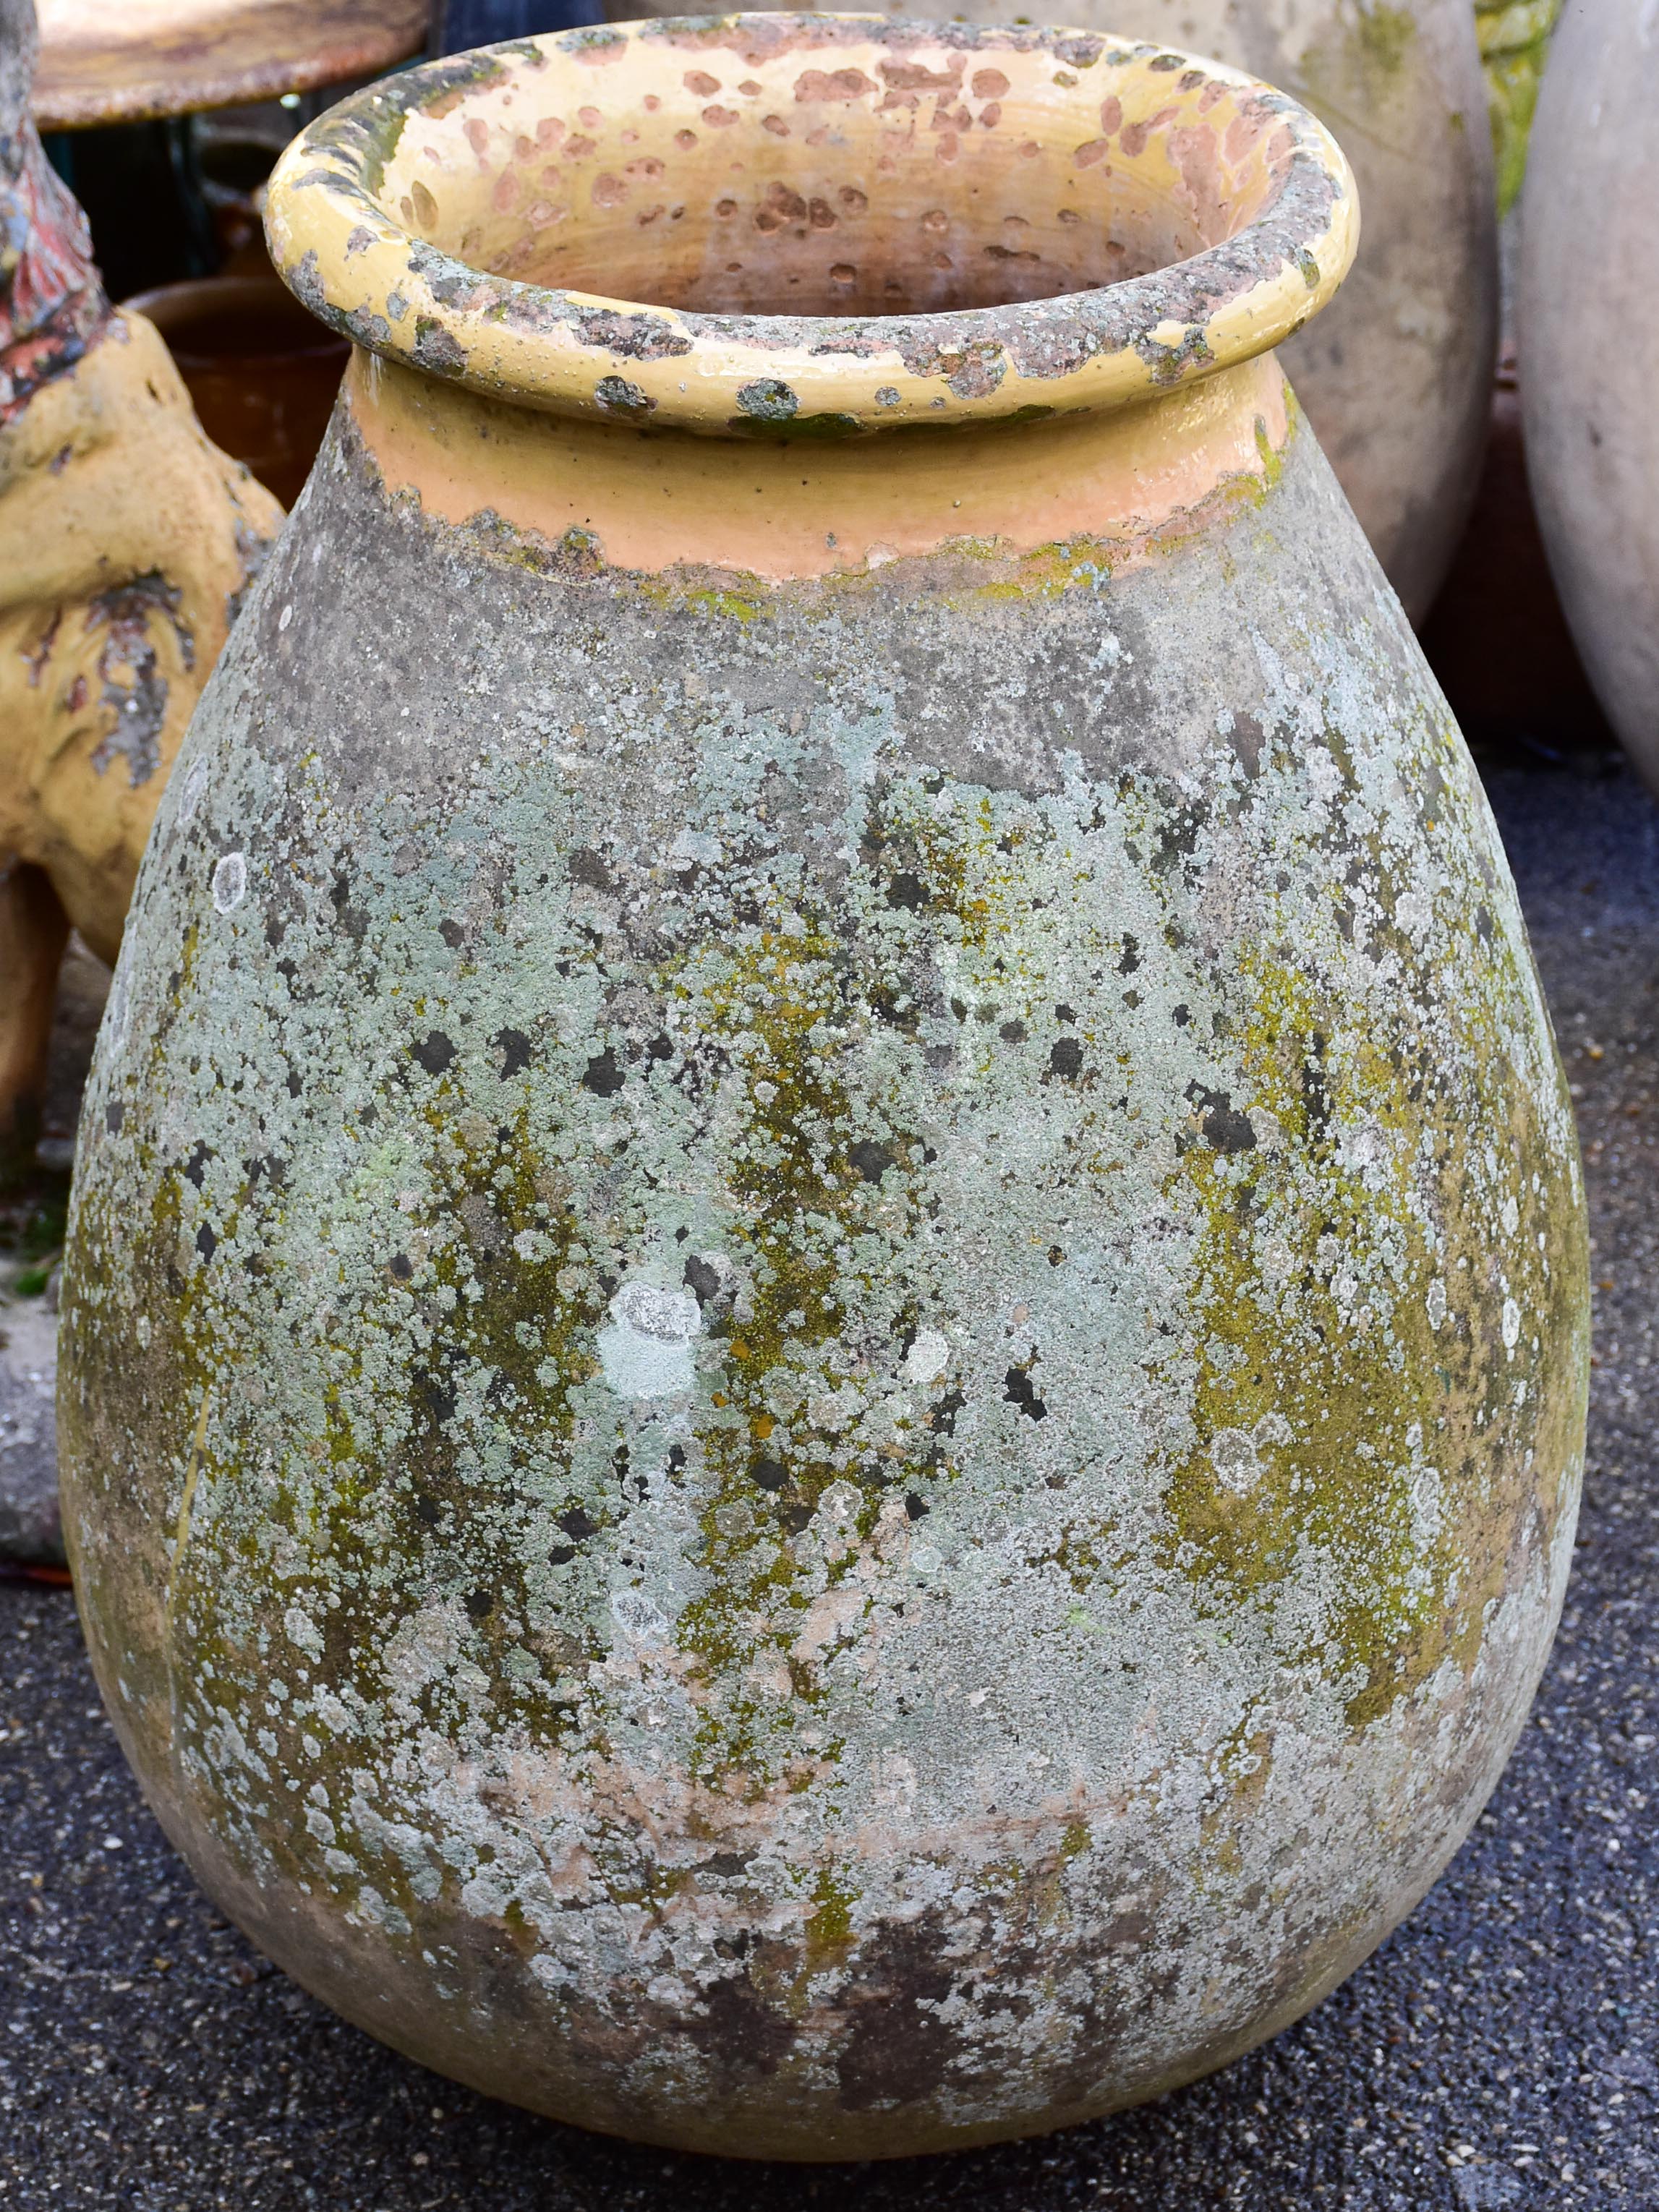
(119,61)
(1589,330)
(1395,374)
(824,1339)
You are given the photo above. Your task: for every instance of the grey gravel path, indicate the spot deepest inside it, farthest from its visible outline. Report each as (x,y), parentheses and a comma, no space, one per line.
(1501,2050)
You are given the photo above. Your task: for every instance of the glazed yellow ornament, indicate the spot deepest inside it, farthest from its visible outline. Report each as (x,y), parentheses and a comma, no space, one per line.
(126,543)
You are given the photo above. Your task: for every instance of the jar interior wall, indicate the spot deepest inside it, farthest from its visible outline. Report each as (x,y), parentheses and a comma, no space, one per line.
(732,201)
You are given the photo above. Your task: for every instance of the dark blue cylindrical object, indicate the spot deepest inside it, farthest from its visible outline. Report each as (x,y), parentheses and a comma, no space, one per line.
(463,23)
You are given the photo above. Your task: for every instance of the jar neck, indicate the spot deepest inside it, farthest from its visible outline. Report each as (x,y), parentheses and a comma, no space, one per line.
(649,501)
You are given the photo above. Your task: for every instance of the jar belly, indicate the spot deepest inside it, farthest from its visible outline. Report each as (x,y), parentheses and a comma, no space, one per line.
(862,1312)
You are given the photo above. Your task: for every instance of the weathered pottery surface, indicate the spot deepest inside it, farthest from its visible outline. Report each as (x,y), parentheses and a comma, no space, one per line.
(824,1346)
(126,541)
(1588,327)
(1396,373)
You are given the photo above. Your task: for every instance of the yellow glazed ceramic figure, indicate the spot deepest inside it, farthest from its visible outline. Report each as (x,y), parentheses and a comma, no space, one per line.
(127,542)
(1396,373)
(824,1335)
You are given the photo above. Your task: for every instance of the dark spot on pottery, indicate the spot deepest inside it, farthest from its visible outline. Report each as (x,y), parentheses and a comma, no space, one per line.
(604,1078)
(514,1047)
(1019,1389)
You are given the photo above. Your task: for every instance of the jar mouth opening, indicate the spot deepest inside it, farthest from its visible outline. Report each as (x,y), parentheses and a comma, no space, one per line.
(773,223)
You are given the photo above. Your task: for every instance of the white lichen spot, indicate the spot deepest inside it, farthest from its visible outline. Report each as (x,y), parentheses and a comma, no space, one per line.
(839,1503)
(423,1647)
(1272,1429)
(927,1356)
(1435,1304)
(1510,1217)
(1413,911)
(696,848)
(646,1351)
(302,1632)
(1233,1456)
(1322,772)
(194,784)
(229,882)
(1511,1326)
(1428,1506)
(638,1619)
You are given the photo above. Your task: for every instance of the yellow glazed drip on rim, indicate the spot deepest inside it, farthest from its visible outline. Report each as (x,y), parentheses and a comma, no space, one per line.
(842,224)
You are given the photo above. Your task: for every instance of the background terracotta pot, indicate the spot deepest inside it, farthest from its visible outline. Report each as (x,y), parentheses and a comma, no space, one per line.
(1589,331)
(824,1357)
(1396,374)
(262,372)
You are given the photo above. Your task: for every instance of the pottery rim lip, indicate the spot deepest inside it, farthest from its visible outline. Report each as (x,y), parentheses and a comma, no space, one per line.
(362,267)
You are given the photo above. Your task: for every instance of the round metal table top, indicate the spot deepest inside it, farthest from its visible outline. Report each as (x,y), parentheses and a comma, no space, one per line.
(124,61)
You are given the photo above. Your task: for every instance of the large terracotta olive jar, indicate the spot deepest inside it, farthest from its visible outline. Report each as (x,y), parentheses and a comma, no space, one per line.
(1589,329)
(1396,373)
(825,1334)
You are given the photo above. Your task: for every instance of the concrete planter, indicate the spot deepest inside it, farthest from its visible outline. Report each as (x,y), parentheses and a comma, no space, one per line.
(1396,373)
(1588,326)
(824,1344)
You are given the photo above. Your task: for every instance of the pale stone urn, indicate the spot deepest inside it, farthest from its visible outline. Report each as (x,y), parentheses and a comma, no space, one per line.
(127,542)
(1396,373)
(1588,333)
(825,1332)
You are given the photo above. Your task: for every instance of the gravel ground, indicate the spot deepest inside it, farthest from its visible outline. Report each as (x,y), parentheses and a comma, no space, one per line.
(1501,2050)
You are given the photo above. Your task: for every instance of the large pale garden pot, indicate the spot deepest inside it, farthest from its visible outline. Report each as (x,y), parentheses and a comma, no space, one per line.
(1396,373)
(1589,328)
(826,1324)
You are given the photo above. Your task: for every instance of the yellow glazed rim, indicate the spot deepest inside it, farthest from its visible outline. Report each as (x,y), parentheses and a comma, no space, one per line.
(345,224)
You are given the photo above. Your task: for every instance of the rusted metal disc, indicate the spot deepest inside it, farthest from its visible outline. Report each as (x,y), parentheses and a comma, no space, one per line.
(120,61)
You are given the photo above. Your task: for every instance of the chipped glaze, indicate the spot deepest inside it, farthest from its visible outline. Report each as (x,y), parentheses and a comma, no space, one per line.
(824,1340)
